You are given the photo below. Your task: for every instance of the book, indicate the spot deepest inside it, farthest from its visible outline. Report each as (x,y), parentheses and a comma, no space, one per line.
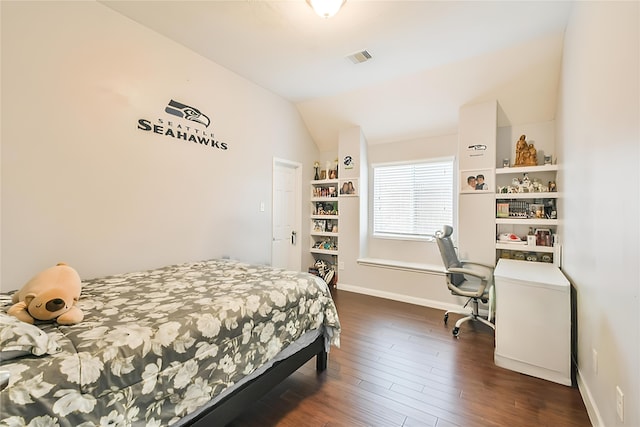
(502,210)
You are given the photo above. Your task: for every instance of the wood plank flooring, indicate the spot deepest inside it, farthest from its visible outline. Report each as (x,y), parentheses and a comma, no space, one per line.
(398,365)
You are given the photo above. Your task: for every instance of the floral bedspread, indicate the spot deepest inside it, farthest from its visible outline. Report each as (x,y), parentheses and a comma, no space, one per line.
(156,345)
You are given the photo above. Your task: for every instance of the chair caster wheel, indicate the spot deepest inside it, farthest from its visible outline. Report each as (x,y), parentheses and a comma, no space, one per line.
(455,332)
(446,317)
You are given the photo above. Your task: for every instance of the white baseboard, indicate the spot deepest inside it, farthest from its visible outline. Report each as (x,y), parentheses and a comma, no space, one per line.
(512,364)
(589,402)
(399,297)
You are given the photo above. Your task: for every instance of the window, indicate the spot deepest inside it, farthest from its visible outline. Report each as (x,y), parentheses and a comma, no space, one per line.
(412,200)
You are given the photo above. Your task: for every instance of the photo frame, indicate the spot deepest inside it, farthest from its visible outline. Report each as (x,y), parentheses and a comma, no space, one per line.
(476,181)
(319,225)
(348,187)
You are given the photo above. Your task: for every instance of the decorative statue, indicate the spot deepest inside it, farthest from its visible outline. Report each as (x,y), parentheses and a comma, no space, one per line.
(521,146)
(533,156)
(526,154)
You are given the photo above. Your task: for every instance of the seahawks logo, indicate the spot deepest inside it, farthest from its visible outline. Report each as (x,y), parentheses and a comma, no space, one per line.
(186,112)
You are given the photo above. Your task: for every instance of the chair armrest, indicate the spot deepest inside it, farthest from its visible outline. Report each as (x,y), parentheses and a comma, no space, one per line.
(470,272)
(485,280)
(480,264)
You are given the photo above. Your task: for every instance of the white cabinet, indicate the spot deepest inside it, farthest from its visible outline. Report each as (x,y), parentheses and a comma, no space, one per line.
(526,203)
(324,225)
(533,320)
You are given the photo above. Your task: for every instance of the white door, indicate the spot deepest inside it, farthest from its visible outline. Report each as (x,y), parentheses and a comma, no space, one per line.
(285,247)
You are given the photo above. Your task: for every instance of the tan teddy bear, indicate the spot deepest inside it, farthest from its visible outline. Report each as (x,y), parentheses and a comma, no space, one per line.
(51,294)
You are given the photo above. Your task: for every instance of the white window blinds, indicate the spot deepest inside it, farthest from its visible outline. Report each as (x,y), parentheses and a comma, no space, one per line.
(412,200)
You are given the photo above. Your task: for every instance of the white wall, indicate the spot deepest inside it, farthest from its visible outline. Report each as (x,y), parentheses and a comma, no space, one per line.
(80,182)
(598,140)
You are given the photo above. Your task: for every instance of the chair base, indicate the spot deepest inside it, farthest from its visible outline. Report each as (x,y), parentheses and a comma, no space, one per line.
(470,316)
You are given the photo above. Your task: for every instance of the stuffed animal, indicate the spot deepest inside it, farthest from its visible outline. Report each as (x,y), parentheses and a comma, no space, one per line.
(51,294)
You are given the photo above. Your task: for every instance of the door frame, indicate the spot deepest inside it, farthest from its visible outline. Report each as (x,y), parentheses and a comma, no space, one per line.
(297,167)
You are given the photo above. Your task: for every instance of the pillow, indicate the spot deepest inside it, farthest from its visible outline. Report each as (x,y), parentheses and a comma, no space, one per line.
(18,338)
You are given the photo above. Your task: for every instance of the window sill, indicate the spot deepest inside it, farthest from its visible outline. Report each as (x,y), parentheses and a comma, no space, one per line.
(401,265)
(404,237)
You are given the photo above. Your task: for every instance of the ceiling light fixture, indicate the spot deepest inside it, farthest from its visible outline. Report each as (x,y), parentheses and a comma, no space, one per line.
(326,8)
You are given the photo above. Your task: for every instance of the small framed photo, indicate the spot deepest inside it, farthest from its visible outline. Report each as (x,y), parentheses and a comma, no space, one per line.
(349,187)
(319,225)
(476,181)
(536,210)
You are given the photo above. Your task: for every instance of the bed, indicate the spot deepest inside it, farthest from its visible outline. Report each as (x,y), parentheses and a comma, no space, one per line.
(183,345)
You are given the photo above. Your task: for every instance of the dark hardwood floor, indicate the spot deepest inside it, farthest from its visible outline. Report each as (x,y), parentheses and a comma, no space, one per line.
(398,365)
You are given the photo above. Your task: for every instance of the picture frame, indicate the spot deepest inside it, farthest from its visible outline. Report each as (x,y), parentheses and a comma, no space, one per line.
(536,210)
(319,225)
(348,187)
(469,182)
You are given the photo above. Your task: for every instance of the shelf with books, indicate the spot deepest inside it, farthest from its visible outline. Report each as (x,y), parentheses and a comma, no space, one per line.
(324,224)
(526,204)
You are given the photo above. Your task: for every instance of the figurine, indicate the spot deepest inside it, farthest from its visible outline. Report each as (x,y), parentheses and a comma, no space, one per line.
(532,158)
(526,153)
(521,146)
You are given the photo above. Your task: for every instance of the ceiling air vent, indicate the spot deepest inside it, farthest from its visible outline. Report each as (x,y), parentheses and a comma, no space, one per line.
(359,57)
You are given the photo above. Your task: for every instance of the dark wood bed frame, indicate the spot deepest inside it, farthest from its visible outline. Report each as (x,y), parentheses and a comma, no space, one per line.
(237,402)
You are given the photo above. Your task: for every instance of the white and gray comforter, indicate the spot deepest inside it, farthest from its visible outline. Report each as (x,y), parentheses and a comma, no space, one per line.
(157,345)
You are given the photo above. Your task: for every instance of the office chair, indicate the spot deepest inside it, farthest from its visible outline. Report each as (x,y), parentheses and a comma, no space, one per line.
(476,282)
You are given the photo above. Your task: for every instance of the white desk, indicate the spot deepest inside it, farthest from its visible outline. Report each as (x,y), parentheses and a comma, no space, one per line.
(533,320)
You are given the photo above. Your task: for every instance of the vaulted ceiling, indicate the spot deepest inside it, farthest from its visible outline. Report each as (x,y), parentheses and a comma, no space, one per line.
(428,58)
